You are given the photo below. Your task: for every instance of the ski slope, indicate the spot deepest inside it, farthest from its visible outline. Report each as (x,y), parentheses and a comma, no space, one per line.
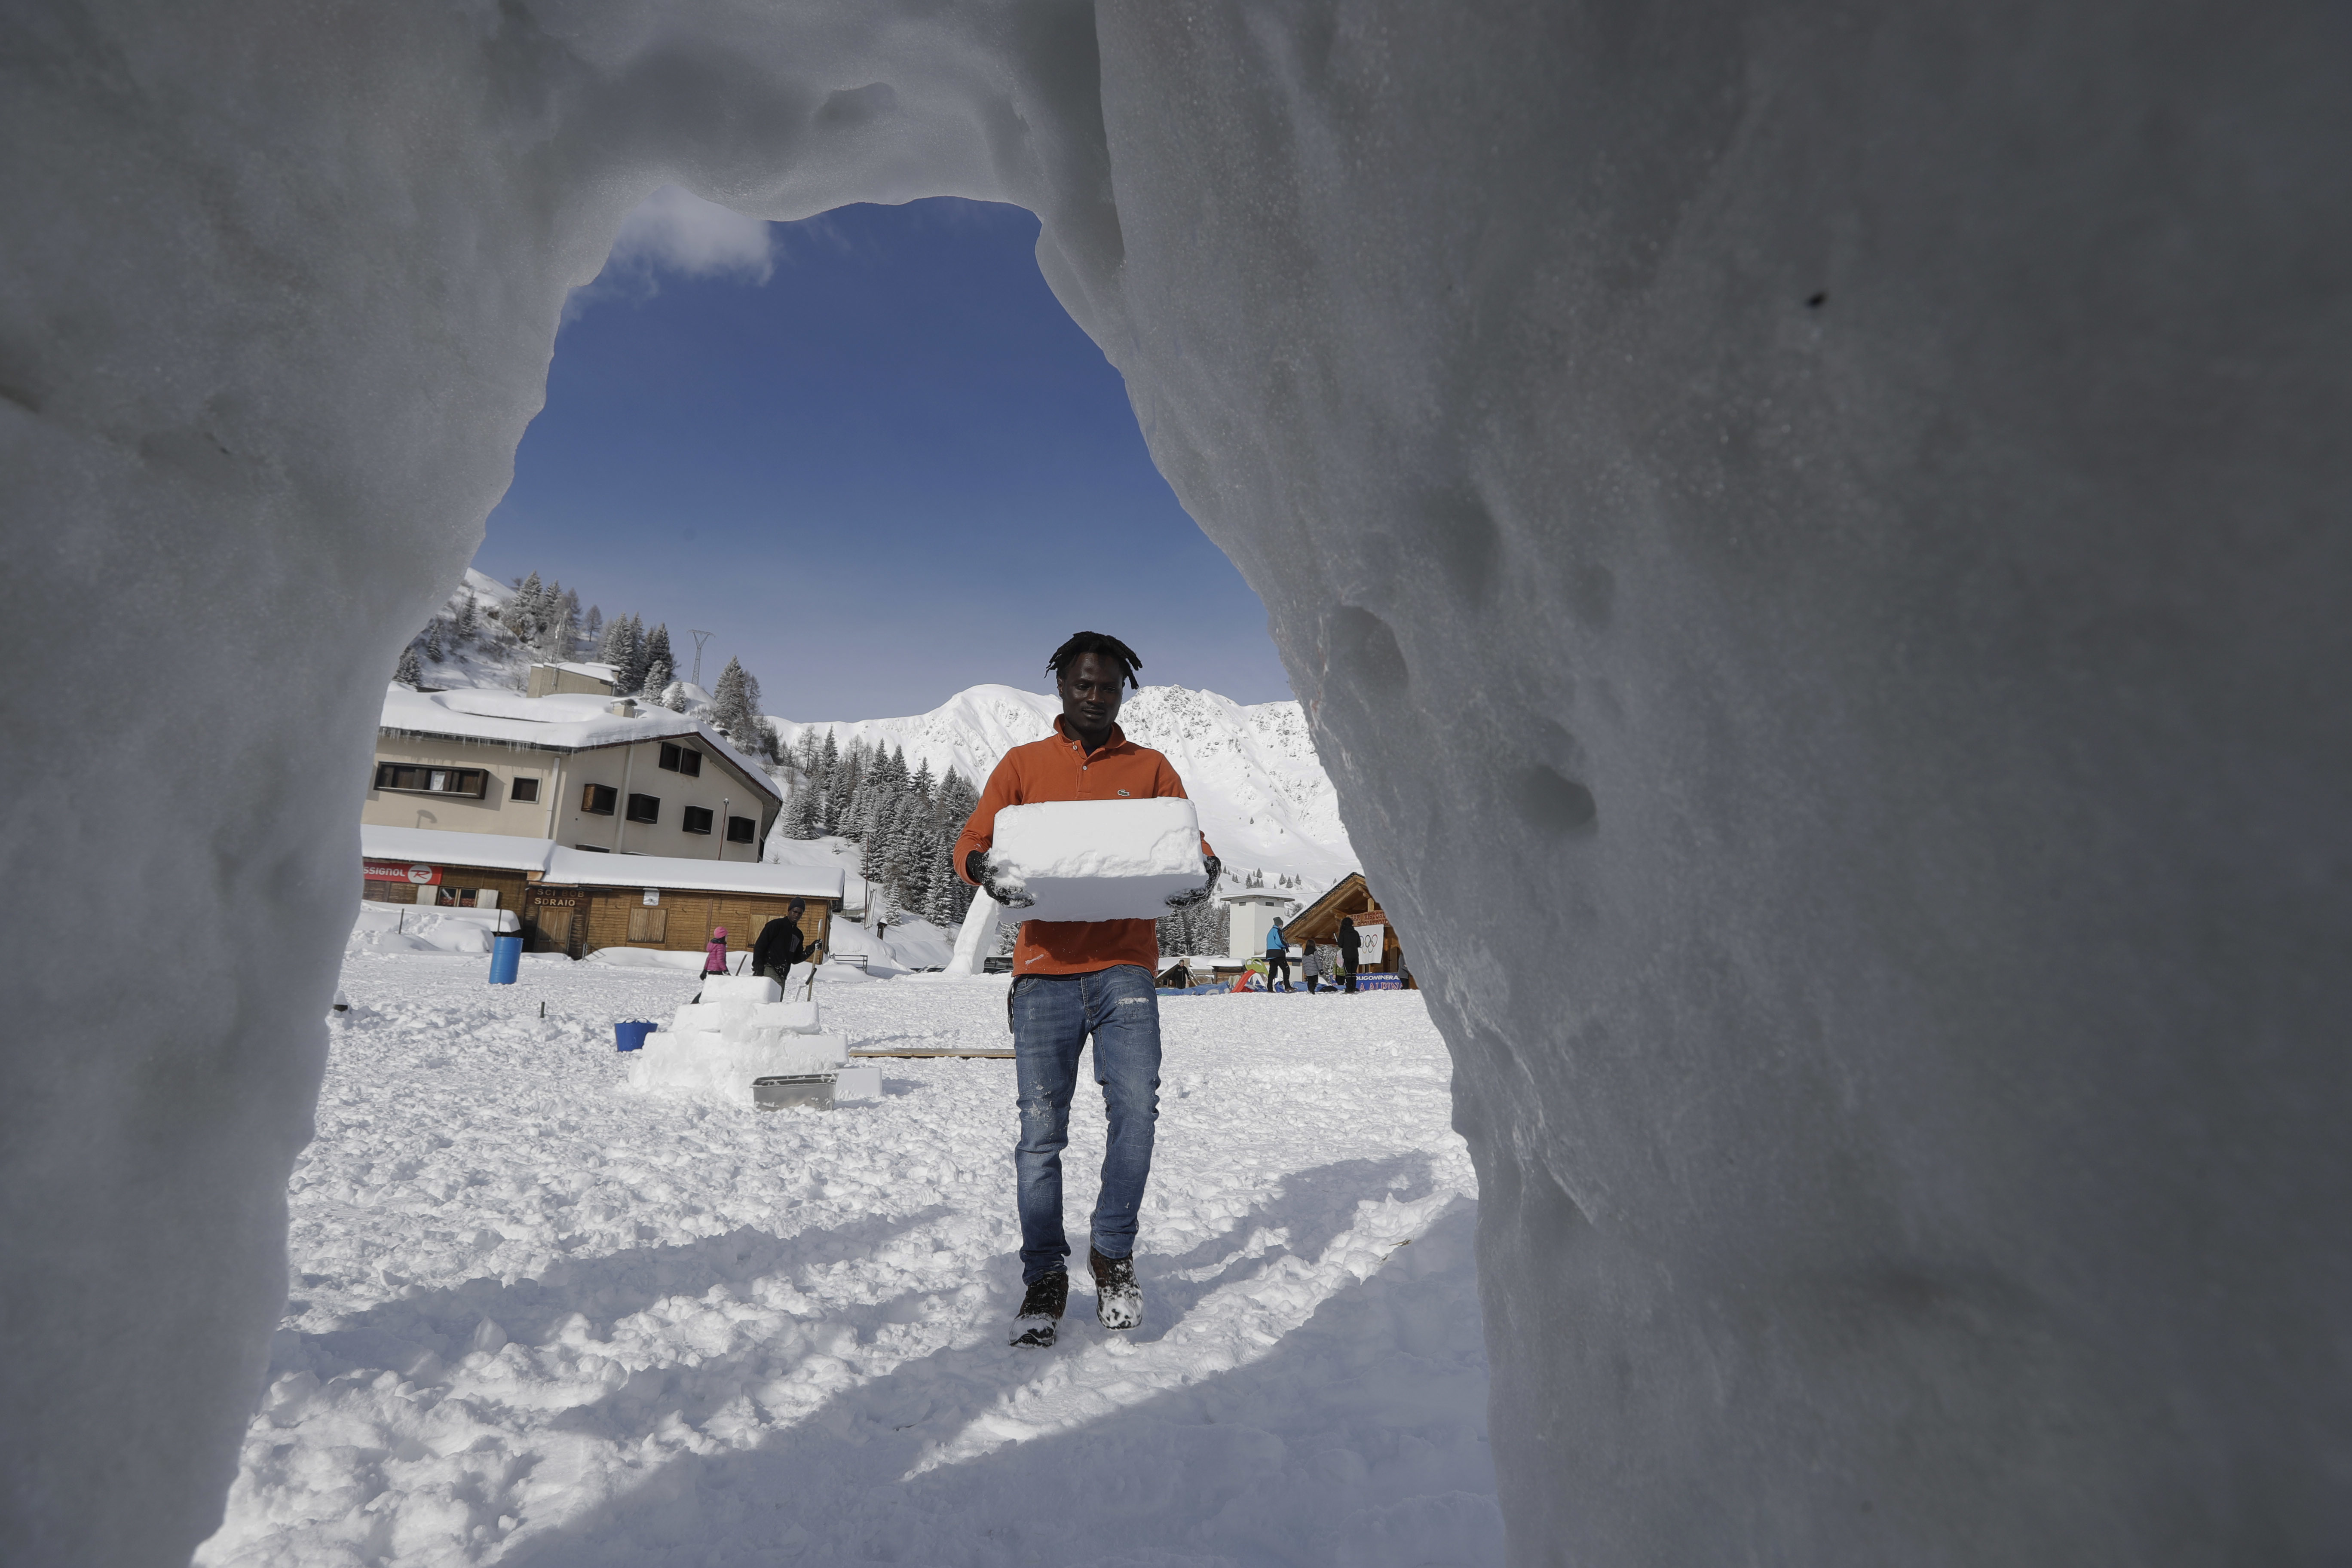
(536,1319)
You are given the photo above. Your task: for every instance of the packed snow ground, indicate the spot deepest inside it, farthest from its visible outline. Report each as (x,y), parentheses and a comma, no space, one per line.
(538,1320)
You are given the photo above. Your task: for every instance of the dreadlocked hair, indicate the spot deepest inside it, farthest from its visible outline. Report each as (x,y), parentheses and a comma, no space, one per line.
(1095,642)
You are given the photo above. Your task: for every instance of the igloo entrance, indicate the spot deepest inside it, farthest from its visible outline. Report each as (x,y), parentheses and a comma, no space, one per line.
(1812,544)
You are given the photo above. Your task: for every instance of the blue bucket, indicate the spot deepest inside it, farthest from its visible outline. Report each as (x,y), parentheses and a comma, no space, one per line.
(505,957)
(630,1034)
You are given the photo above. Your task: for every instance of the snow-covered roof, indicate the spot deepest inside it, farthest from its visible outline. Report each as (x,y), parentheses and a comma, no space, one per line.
(589,869)
(433,846)
(593,671)
(570,721)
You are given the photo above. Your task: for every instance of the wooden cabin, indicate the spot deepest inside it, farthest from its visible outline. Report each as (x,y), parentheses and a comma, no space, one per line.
(1351,897)
(575,901)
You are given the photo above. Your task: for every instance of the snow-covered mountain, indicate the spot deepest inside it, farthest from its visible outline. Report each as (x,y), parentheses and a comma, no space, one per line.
(1264,801)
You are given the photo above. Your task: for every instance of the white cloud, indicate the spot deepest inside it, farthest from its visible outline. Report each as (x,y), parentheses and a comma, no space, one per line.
(675,231)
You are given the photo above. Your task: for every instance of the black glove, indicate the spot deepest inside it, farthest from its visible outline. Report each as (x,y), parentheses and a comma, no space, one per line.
(975,866)
(1199,895)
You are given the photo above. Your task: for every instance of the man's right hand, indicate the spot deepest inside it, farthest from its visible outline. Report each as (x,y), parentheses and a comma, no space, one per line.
(975,866)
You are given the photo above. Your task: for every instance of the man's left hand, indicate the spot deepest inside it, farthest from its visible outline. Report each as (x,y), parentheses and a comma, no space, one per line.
(1199,895)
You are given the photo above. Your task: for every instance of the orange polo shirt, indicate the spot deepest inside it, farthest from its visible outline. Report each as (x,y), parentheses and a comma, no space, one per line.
(1059,768)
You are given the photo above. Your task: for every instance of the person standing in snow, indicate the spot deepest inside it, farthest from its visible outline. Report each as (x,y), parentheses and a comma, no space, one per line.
(1350,945)
(1278,956)
(714,957)
(1072,979)
(781,945)
(1310,966)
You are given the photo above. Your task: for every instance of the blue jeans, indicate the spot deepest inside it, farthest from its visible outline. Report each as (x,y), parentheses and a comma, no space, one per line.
(1052,1017)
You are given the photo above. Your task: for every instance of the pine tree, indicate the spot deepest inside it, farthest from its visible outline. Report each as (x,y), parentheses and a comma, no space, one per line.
(760,738)
(638,656)
(846,805)
(1200,930)
(657,651)
(803,814)
(593,628)
(952,805)
(828,770)
(408,672)
(730,704)
(658,680)
(560,626)
(469,624)
(522,611)
(432,639)
(875,843)
(619,649)
(950,897)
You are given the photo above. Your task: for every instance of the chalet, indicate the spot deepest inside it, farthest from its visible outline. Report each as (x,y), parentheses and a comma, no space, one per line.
(1318,924)
(599,774)
(575,900)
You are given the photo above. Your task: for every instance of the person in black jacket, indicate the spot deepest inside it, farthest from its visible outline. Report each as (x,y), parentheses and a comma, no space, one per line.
(1350,945)
(781,945)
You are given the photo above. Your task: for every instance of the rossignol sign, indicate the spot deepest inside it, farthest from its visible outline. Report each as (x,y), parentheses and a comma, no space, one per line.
(401,871)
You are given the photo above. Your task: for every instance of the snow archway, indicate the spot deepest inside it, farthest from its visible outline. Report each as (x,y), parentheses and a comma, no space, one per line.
(1813,542)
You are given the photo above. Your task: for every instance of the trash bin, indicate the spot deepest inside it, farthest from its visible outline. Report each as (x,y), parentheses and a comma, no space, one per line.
(629,1034)
(505,957)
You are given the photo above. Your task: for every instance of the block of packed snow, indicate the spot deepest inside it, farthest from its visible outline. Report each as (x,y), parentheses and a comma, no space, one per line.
(807,1053)
(708,1062)
(717,1016)
(753,988)
(794,1017)
(863,1082)
(1098,860)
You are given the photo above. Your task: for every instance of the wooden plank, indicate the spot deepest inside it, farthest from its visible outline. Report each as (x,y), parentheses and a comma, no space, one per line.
(974,1053)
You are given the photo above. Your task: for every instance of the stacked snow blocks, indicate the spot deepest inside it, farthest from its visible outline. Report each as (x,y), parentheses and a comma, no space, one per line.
(1098,860)
(740,1031)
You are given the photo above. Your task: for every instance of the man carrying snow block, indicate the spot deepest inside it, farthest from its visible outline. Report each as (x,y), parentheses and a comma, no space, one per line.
(1076,978)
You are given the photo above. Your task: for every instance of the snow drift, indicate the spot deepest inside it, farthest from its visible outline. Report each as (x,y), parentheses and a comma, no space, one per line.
(1812,542)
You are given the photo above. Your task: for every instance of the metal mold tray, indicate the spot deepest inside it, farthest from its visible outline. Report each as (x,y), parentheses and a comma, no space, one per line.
(812,1089)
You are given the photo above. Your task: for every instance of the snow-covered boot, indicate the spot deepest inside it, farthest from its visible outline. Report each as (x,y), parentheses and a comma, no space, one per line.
(1041,1309)
(1118,1300)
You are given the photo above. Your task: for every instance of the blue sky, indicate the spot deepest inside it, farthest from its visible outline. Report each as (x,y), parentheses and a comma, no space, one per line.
(871,453)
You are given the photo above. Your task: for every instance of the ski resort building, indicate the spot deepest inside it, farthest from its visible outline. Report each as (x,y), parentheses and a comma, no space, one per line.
(1351,898)
(590,773)
(576,900)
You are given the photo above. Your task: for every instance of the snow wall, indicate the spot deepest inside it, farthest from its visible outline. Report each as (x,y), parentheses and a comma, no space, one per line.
(1814,540)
